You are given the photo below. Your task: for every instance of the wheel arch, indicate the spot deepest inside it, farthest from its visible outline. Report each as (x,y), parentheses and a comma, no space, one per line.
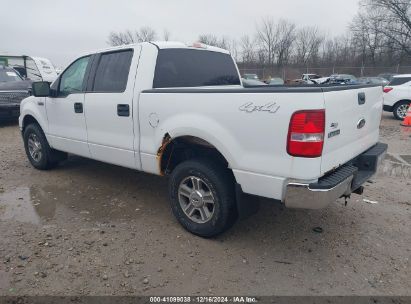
(401,101)
(174,150)
(28,119)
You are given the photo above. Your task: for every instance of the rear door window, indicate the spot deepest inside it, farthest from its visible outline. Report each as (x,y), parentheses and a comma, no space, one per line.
(112,72)
(194,68)
(399,80)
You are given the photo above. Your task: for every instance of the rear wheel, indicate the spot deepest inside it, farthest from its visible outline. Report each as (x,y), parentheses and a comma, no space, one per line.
(400,110)
(38,151)
(203,197)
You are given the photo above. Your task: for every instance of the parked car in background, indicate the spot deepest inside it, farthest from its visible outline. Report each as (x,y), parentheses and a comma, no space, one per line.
(322,80)
(314,79)
(387,76)
(343,79)
(373,80)
(13,89)
(173,109)
(251,76)
(308,77)
(397,97)
(276,81)
(252,82)
(295,82)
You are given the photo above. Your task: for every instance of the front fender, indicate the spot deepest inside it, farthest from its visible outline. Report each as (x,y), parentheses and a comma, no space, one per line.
(35,107)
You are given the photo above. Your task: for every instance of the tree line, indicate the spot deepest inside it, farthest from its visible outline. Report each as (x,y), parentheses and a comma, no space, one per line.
(379,35)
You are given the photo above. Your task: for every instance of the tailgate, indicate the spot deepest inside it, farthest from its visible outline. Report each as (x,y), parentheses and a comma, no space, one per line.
(352,123)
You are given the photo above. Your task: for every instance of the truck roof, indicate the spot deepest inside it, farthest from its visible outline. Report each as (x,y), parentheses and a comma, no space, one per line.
(163,45)
(181,45)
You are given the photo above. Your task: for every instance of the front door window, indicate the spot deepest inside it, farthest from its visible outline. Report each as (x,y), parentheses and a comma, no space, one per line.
(72,80)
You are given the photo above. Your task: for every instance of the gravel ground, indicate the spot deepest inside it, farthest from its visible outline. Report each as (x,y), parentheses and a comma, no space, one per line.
(88,228)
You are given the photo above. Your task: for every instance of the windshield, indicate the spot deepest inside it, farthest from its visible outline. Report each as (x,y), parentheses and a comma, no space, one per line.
(8,75)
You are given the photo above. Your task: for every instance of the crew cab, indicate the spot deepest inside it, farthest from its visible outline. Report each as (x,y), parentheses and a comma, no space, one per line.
(397,97)
(180,110)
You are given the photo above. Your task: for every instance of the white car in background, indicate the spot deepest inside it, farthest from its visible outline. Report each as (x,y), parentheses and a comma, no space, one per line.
(397,97)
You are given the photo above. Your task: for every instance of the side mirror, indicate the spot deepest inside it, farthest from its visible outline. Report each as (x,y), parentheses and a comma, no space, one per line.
(41,89)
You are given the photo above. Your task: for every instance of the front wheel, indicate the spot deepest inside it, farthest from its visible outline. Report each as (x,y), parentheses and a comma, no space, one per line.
(38,151)
(400,110)
(202,197)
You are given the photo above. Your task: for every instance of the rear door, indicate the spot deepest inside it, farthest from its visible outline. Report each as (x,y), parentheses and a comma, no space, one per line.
(352,123)
(109,107)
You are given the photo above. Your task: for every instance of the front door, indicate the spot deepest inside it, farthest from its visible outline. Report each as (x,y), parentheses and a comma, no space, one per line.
(65,110)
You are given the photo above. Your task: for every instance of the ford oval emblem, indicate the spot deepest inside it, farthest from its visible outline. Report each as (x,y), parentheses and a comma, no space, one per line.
(361,123)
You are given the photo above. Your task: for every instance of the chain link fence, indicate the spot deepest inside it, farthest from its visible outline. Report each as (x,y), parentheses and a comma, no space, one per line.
(291,72)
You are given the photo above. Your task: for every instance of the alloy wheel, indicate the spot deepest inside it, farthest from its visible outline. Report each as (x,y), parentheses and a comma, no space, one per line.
(196,199)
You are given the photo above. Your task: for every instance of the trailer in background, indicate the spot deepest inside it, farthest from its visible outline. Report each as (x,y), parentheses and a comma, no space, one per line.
(31,68)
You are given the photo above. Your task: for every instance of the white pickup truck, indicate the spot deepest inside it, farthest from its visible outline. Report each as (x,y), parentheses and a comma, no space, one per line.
(180,110)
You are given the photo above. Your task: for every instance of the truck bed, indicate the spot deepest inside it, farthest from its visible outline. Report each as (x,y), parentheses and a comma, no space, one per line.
(249,126)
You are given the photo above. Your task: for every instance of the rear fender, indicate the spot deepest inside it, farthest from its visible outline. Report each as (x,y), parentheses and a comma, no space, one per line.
(190,125)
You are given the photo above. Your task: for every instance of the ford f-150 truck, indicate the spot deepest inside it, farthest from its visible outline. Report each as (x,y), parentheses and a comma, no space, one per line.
(180,110)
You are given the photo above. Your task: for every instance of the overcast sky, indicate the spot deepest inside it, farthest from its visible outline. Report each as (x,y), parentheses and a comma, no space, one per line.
(61,29)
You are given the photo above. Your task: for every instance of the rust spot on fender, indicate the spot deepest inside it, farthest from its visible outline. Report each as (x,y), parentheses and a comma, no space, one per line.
(160,151)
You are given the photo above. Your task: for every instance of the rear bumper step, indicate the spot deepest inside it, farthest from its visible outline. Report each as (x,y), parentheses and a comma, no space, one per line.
(341,182)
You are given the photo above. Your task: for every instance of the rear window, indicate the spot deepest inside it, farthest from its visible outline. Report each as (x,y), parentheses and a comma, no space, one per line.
(399,80)
(112,72)
(194,68)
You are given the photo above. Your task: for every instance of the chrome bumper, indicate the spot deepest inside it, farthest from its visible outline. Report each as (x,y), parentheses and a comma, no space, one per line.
(343,181)
(301,196)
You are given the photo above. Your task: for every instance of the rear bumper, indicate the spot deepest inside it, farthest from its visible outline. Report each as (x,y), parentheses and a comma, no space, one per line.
(341,182)
(9,111)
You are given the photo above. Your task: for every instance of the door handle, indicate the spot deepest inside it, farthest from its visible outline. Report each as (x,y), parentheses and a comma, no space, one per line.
(123,110)
(78,107)
(361,98)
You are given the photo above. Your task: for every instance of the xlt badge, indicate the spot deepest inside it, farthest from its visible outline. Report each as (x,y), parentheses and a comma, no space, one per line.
(334,133)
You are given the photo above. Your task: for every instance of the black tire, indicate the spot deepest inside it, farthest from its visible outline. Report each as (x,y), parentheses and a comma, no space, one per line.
(220,182)
(398,114)
(49,157)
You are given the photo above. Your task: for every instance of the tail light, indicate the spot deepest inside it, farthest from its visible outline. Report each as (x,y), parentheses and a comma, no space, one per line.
(387,89)
(306,133)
